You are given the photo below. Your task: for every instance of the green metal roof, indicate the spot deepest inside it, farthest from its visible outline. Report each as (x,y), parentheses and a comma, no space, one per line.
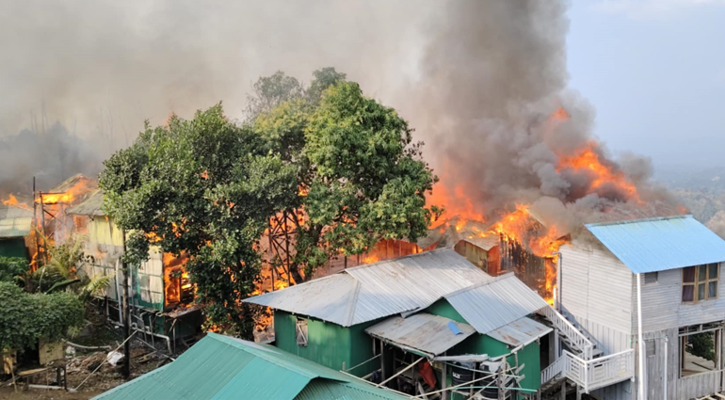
(220,367)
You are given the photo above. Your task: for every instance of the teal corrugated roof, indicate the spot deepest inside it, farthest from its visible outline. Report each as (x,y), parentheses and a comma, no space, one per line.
(660,244)
(220,367)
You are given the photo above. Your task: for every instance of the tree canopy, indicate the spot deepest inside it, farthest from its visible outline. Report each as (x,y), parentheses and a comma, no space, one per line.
(207,187)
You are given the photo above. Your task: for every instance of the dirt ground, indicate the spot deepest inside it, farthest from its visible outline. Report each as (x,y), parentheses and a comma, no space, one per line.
(81,365)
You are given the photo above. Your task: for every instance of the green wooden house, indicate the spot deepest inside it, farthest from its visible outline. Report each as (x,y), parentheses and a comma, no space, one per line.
(382,321)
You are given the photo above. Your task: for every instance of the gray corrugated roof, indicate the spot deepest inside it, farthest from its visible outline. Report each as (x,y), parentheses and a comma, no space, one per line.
(494,304)
(373,291)
(520,332)
(15,221)
(91,206)
(425,332)
(659,244)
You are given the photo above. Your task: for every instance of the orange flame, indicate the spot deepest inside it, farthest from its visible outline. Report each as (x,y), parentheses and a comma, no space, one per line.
(588,159)
(13,201)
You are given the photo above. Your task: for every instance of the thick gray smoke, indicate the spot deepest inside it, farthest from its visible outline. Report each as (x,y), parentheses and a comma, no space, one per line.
(478,80)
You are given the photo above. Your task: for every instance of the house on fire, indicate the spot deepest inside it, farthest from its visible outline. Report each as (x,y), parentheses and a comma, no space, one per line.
(649,288)
(425,323)
(162,298)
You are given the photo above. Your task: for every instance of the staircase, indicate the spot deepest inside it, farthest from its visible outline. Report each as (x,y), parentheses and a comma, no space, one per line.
(582,362)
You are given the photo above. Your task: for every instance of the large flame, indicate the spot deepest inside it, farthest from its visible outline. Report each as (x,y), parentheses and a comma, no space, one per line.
(603,177)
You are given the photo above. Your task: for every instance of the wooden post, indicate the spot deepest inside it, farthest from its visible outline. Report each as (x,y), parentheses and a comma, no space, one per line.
(383,370)
(444,380)
(563,389)
(126,321)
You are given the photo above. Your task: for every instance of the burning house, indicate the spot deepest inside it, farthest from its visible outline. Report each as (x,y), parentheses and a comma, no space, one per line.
(161,298)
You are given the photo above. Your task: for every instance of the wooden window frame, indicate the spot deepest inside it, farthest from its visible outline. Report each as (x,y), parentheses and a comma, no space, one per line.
(301,336)
(697,282)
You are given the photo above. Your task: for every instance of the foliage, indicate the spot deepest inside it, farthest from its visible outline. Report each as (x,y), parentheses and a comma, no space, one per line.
(205,188)
(12,267)
(702,345)
(363,178)
(25,318)
(324,78)
(271,91)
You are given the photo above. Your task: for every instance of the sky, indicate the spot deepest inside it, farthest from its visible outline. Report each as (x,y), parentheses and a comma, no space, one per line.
(655,72)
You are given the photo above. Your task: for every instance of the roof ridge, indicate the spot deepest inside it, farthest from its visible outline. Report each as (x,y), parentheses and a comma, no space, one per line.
(424,252)
(352,303)
(481,284)
(635,221)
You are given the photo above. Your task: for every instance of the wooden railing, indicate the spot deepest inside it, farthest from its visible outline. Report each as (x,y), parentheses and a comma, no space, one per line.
(592,374)
(566,328)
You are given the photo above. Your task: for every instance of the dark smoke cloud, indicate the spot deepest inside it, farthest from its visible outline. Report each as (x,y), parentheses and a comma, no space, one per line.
(477,79)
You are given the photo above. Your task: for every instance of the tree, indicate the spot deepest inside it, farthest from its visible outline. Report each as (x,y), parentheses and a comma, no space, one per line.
(362,177)
(207,188)
(271,91)
(204,188)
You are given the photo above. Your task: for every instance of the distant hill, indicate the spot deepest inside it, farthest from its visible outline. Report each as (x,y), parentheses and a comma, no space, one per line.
(701,191)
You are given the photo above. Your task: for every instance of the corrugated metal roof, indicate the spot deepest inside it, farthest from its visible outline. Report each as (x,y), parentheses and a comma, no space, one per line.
(660,244)
(519,332)
(494,304)
(220,367)
(91,206)
(15,221)
(373,291)
(425,332)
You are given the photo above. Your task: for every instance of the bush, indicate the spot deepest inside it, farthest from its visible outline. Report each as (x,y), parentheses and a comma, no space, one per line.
(10,267)
(25,318)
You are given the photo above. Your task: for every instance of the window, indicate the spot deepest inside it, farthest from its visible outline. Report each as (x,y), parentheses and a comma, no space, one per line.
(301,332)
(700,283)
(698,351)
(650,277)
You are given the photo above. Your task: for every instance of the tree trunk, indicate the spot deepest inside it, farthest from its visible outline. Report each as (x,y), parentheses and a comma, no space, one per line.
(126,318)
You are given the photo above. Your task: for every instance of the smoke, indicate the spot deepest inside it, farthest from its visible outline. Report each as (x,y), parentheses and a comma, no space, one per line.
(493,102)
(479,80)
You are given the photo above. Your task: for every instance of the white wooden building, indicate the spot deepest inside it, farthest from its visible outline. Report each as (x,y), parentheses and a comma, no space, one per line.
(672,267)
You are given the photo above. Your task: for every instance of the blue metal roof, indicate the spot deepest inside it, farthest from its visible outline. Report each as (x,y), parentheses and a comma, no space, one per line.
(660,244)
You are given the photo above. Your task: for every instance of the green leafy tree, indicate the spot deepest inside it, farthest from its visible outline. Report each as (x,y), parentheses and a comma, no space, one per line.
(703,345)
(270,91)
(25,318)
(204,188)
(363,178)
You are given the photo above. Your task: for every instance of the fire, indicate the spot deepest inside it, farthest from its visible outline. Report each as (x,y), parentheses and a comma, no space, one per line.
(79,188)
(604,173)
(13,201)
(371,258)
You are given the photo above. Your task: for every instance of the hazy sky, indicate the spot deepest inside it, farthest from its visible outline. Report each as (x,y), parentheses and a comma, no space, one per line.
(655,72)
